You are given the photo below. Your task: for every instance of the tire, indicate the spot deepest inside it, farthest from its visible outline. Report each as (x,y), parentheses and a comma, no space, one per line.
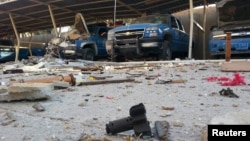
(166,53)
(88,54)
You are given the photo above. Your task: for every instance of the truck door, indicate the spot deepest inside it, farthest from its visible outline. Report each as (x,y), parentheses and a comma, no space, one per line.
(175,35)
(101,40)
(183,37)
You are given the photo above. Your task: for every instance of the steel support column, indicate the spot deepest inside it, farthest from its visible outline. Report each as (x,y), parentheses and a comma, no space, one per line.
(204,27)
(53,20)
(191,12)
(17,37)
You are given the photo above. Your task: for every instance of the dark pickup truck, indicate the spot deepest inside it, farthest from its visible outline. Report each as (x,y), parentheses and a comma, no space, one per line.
(159,36)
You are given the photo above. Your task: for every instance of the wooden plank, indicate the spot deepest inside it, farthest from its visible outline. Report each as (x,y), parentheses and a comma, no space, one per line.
(96,82)
(239,66)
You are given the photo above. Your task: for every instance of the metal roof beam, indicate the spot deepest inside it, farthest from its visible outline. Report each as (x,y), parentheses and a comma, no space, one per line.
(129,7)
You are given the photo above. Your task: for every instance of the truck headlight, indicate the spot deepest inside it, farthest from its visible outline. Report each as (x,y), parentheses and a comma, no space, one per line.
(111,35)
(109,46)
(218,34)
(152,31)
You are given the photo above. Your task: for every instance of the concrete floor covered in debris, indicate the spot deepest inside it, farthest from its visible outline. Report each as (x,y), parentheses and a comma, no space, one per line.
(187,97)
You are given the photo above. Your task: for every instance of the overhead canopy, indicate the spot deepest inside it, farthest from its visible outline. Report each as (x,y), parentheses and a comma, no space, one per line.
(32,15)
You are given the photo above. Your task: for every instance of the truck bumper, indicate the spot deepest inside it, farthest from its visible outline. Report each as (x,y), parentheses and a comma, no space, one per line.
(137,47)
(238,46)
(70,52)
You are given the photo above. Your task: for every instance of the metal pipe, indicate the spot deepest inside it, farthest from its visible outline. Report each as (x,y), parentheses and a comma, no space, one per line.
(114,13)
(228,47)
(191,28)
(53,20)
(70,79)
(30,44)
(17,37)
(204,27)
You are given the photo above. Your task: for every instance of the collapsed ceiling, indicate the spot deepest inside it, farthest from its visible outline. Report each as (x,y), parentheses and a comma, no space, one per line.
(32,15)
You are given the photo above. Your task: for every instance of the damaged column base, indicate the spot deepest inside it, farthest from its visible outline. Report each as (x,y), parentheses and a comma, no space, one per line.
(27,91)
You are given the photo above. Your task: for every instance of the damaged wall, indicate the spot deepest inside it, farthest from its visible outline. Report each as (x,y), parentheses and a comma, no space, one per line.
(198,35)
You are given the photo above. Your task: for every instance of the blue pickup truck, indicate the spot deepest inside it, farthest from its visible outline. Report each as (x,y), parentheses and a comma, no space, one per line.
(90,47)
(160,36)
(83,41)
(233,17)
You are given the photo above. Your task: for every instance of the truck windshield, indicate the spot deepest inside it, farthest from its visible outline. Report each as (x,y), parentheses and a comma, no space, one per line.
(92,30)
(151,19)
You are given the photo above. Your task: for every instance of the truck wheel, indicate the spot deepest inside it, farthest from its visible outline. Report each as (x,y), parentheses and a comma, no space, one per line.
(118,58)
(166,53)
(88,54)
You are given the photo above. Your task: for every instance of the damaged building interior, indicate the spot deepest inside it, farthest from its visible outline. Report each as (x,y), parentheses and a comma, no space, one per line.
(124,70)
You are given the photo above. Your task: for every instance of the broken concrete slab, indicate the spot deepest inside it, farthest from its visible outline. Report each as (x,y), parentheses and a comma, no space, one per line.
(35,68)
(241,117)
(61,85)
(27,91)
(236,66)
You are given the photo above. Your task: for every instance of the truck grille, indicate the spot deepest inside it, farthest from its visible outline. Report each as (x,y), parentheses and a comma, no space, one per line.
(129,34)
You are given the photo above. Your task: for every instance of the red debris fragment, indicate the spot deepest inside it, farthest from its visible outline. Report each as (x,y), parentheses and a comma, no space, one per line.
(212,79)
(237,80)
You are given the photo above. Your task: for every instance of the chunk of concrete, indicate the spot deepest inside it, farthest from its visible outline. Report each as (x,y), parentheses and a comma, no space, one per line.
(61,85)
(235,118)
(241,117)
(27,91)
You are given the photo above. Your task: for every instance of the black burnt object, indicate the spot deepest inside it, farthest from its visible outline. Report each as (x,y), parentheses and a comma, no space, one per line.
(136,121)
(228,92)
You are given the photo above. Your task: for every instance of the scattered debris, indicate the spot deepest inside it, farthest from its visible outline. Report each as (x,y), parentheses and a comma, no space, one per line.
(178,124)
(159,81)
(228,92)
(162,128)
(12,71)
(165,115)
(89,68)
(167,108)
(10,118)
(82,104)
(92,77)
(151,77)
(38,107)
(60,85)
(135,74)
(204,134)
(95,82)
(90,138)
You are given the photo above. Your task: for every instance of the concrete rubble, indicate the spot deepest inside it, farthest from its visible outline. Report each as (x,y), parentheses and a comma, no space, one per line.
(49,99)
(24,91)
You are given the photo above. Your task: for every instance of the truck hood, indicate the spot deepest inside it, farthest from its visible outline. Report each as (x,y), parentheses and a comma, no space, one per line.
(233,12)
(135,26)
